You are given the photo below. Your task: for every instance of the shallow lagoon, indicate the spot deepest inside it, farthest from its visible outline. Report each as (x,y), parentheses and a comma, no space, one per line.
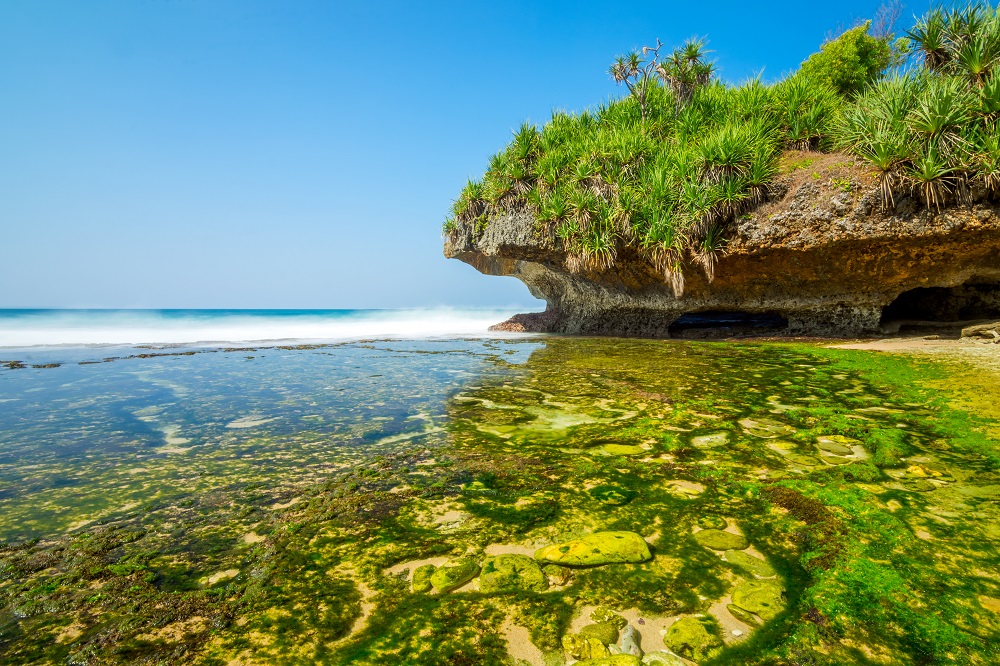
(269,505)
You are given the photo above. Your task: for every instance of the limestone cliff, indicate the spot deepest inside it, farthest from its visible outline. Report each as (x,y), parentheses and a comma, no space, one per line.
(821,257)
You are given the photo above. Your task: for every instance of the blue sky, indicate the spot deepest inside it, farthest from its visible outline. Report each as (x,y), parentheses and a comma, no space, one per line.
(297,154)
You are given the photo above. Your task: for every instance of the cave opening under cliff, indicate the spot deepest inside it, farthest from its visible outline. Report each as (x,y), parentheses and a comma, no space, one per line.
(716,323)
(924,306)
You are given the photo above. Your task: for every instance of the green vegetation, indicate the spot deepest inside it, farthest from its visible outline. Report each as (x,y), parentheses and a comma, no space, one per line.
(935,129)
(665,171)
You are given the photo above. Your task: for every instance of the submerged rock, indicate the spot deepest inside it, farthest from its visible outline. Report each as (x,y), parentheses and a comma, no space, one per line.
(597,548)
(710,441)
(604,615)
(612,495)
(712,522)
(612,660)
(602,631)
(511,573)
(690,638)
(454,574)
(743,616)
(422,578)
(579,646)
(623,449)
(663,658)
(761,597)
(752,564)
(557,575)
(720,540)
(837,444)
(629,641)
(766,428)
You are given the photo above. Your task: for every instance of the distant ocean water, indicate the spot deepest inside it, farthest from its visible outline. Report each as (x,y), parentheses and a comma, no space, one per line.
(43,327)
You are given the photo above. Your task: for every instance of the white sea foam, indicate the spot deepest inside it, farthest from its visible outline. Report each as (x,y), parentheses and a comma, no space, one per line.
(210,328)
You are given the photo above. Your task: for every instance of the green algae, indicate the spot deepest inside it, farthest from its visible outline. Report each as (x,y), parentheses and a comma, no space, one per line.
(868,561)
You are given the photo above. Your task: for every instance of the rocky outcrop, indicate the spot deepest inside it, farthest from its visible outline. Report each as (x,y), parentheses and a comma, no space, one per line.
(820,258)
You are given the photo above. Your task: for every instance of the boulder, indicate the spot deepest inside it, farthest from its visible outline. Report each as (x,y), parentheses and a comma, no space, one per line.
(596,549)
(511,573)
(454,574)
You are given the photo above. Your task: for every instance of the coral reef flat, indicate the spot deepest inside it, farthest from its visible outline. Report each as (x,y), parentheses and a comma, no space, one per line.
(534,500)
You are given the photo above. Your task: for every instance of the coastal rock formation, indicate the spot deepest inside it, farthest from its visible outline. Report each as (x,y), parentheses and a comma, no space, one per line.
(597,549)
(821,257)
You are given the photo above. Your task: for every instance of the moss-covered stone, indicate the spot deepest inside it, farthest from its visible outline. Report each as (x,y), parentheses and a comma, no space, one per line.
(612,495)
(752,564)
(602,631)
(761,597)
(662,658)
(766,428)
(720,540)
(690,638)
(712,522)
(511,573)
(422,578)
(454,574)
(613,660)
(742,615)
(557,575)
(623,449)
(596,549)
(582,647)
(604,615)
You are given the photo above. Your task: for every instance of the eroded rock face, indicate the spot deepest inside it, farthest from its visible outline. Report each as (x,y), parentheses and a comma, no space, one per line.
(821,257)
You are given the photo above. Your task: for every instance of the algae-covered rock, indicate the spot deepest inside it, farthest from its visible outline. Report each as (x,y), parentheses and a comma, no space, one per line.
(623,449)
(629,641)
(710,441)
(612,495)
(742,615)
(582,647)
(602,631)
(454,574)
(556,574)
(752,564)
(662,658)
(802,459)
(612,660)
(690,638)
(762,597)
(597,548)
(836,444)
(711,522)
(604,615)
(511,573)
(719,540)
(766,428)
(422,578)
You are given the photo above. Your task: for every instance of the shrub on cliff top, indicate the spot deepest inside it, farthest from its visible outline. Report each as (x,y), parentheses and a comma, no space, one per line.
(934,130)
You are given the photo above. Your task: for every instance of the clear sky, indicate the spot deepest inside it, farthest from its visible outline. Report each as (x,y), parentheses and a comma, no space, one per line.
(299,154)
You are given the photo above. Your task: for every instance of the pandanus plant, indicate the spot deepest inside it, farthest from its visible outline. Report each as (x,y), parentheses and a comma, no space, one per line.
(635,72)
(685,71)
